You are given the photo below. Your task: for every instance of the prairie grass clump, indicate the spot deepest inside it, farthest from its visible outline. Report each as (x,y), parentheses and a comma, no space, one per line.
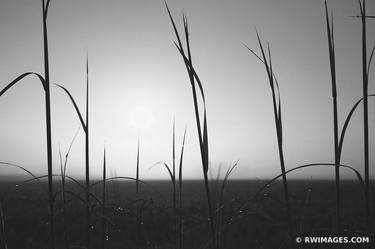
(221,185)
(176,187)
(63,165)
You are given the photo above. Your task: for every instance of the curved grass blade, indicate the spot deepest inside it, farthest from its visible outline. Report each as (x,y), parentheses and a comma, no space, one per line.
(19,78)
(166,167)
(28,172)
(347,121)
(75,106)
(356,172)
(118,178)
(220,205)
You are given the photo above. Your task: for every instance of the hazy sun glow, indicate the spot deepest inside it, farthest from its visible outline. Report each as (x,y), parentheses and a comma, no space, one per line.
(141,117)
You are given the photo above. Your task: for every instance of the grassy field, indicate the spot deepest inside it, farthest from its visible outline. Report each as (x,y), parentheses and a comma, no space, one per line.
(246,223)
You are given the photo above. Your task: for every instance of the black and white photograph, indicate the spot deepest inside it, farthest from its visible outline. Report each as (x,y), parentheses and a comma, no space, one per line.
(187,124)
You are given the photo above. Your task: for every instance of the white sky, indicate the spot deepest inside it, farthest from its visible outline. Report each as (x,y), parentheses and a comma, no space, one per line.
(135,71)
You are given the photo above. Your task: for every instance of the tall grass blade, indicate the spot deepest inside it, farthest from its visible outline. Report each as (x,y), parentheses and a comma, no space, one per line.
(365,112)
(48,123)
(46,85)
(332,62)
(104,224)
(174,185)
(85,126)
(276,101)
(66,239)
(203,138)
(87,158)
(63,166)
(181,235)
(137,229)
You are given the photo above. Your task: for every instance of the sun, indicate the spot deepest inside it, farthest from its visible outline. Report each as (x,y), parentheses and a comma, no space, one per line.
(141,117)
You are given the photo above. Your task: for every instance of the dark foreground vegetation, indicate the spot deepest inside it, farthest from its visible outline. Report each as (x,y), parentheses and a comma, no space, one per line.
(245,222)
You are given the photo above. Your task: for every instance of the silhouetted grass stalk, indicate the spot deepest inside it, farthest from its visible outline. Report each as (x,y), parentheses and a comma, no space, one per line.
(181,234)
(276,101)
(331,47)
(365,112)
(173,181)
(63,193)
(220,203)
(48,121)
(85,126)
(202,135)
(104,223)
(174,186)
(340,146)
(137,228)
(177,228)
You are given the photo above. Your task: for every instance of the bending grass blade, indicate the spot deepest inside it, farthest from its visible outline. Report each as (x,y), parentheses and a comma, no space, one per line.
(85,126)
(19,78)
(34,177)
(220,203)
(276,101)
(202,136)
(347,121)
(63,178)
(268,183)
(356,173)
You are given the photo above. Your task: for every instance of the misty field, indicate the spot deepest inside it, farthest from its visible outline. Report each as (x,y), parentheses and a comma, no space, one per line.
(246,223)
